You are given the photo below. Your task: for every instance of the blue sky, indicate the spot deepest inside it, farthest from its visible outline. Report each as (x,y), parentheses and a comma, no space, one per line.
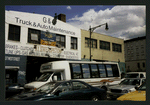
(124,21)
(70,11)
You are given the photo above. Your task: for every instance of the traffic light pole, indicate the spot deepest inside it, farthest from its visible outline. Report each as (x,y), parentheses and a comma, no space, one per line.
(91,31)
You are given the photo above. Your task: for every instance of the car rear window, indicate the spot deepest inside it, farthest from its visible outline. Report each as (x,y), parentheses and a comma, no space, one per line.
(132,76)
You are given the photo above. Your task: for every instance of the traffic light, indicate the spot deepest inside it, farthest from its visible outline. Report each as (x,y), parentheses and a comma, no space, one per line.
(106,28)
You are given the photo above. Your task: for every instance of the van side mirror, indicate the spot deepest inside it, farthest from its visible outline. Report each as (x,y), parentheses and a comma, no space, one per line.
(55,78)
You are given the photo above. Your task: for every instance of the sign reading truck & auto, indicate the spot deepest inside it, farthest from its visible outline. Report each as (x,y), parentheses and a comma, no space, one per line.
(48,35)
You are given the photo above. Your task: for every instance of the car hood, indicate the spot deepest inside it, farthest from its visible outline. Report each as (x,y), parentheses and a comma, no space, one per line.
(35,84)
(122,87)
(134,96)
(28,96)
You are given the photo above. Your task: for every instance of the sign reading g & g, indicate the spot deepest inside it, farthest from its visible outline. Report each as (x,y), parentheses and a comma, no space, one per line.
(48,38)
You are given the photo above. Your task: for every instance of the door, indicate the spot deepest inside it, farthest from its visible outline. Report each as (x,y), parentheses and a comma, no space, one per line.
(80,91)
(63,92)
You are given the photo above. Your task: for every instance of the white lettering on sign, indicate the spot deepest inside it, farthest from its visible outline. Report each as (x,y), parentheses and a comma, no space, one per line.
(41,51)
(43,26)
(12,58)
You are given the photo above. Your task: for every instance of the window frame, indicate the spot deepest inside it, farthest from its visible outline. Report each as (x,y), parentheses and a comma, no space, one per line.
(72,71)
(114,69)
(60,42)
(87,42)
(88,70)
(103,45)
(116,47)
(96,71)
(74,43)
(34,31)
(104,70)
(13,35)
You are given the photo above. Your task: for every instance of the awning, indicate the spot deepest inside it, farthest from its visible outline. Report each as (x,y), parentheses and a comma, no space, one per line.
(14,68)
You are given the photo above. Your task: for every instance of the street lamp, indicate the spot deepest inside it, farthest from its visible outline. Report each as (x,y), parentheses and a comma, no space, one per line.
(54,21)
(91,31)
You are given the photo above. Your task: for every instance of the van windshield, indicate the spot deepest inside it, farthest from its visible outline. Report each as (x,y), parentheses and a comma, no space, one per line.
(47,87)
(44,77)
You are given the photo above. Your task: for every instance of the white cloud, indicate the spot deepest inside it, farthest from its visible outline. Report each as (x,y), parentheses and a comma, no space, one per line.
(123,21)
(68,7)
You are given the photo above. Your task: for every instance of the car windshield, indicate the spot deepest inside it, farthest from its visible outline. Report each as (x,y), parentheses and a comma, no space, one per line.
(142,87)
(44,77)
(47,87)
(130,82)
(132,76)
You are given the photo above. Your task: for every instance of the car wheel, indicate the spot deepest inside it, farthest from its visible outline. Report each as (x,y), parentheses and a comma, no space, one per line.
(95,98)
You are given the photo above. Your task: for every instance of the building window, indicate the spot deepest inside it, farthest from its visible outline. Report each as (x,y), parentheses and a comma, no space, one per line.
(143,65)
(73,43)
(116,47)
(87,42)
(34,36)
(14,32)
(93,43)
(60,40)
(138,65)
(104,45)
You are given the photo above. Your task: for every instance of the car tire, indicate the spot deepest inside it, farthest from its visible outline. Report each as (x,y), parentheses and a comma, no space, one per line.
(95,98)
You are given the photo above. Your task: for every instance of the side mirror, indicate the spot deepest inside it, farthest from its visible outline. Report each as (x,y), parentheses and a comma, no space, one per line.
(55,78)
(57,92)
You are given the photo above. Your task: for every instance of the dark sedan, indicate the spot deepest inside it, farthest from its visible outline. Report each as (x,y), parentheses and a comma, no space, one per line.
(66,90)
(13,89)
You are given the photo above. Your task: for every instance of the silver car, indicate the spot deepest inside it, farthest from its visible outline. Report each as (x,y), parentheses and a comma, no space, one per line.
(125,86)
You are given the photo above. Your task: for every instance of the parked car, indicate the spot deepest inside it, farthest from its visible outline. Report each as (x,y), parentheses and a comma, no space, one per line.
(64,90)
(125,86)
(135,75)
(138,95)
(13,89)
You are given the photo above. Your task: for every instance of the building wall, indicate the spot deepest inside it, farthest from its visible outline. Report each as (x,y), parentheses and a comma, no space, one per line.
(135,52)
(20,50)
(42,23)
(100,54)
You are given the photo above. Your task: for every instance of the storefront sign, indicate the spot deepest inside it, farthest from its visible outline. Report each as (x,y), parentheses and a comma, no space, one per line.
(48,38)
(12,58)
(43,26)
(42,51)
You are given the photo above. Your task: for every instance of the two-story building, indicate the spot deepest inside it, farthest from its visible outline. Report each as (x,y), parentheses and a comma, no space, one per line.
(32,39)
(103,48)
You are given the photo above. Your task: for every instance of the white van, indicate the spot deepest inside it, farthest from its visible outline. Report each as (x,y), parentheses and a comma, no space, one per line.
(98,74)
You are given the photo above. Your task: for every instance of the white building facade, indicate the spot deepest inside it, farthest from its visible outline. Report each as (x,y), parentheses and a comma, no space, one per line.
(32,39)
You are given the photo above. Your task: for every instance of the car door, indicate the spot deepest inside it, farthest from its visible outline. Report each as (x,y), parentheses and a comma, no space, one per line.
(63,91)
(80,91)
